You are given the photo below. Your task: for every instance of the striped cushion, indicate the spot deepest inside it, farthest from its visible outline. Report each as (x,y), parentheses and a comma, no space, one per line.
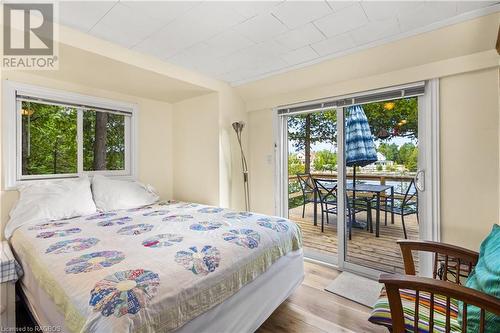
(381,313)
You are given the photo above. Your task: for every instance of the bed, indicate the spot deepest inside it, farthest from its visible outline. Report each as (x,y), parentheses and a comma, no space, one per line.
(172,266)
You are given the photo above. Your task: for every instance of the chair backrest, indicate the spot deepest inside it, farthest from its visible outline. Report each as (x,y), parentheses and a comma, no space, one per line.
(450,263)
(411,193)
(327,189)
(306,182)
(394,283)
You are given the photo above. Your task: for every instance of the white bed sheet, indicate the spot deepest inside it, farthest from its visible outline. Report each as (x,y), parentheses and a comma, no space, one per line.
(243,312)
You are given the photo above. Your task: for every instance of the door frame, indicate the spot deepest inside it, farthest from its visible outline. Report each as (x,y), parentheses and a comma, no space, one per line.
(429,200)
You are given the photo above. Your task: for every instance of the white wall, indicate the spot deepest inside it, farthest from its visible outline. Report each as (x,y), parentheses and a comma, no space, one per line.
(261,150)
(469,139)
(232,109)
(207,163)
(196,149)
(469,116)
(464,57)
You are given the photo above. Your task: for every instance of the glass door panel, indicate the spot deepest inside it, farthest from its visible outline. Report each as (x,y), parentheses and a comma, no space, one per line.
(312,157)
(380,158)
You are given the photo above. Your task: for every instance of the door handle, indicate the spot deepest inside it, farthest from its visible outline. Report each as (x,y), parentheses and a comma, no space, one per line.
(420,180)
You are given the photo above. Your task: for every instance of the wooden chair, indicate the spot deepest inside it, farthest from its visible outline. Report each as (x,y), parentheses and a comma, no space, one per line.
(448,261)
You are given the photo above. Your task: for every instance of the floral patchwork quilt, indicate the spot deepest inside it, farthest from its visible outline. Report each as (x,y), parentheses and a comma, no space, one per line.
(153,268)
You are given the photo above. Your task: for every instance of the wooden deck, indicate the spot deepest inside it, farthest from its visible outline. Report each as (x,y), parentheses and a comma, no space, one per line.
(380,253)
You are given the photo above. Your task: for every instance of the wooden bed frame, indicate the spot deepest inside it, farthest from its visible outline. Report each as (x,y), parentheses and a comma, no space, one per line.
(448,260)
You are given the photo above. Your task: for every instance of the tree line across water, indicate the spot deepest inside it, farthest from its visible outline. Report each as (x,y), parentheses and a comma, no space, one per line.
(387,120)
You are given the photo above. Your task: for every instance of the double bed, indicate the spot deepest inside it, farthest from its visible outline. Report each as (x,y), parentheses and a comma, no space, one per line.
(171,266)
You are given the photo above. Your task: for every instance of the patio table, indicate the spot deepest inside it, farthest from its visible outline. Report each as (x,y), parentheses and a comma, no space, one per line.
(366,188)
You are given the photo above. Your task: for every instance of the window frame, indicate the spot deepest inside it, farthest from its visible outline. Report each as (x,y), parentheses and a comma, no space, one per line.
(12,136)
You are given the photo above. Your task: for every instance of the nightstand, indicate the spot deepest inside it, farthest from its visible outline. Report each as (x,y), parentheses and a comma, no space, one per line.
(10,271)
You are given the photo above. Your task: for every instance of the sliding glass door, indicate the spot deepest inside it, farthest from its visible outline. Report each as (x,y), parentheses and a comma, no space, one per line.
(380,162)
(350,174)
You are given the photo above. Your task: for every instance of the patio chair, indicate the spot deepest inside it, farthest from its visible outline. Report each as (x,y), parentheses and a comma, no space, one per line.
(308,188)
(419,304)
(327,193)
(362,202)
(408,205)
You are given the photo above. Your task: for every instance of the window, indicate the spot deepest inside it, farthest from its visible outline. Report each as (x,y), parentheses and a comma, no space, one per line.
(57,134)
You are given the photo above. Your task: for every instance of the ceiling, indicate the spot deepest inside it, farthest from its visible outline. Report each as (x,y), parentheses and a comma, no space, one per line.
(113,75)
(238,42)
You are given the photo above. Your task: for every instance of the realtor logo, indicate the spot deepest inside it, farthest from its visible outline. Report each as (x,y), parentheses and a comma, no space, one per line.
(28,36)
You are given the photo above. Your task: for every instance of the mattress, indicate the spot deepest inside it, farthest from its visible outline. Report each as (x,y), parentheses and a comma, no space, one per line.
(243,312)
(157,268)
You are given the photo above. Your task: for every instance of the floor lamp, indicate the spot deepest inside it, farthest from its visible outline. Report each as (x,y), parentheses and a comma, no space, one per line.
(238,128)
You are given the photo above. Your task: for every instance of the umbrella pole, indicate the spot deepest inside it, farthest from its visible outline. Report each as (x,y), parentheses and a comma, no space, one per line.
(353,214)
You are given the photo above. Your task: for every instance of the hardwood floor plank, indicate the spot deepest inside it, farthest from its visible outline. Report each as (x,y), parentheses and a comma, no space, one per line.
(287,319)
(312,309)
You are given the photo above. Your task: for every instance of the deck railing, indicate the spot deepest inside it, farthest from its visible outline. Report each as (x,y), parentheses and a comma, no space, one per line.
(295,191)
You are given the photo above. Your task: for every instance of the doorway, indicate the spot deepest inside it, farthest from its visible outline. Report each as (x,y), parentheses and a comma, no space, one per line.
(355,223)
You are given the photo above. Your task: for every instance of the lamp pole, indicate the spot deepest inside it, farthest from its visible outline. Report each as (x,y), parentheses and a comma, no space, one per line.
(238,128)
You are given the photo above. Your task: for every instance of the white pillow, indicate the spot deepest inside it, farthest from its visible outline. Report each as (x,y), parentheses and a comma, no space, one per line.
(113,194)
(44,201)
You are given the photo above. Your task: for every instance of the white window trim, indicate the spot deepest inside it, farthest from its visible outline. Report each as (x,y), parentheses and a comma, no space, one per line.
(11,132)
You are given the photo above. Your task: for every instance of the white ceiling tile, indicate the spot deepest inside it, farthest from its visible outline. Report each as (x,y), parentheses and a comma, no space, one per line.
(251,8)
(240,41)
(374,31)
(164,11)
(426,13)
(259,55)
(465,6)
(236,75)
(227,43)
(269,65)
(258,68)
(296,13)
(137,27)
(384,10)
(160,46)
(83,15)
(299,37)
(184,59)
(345,20)
(261,27)
(206,56)
(191,28)
(339,5)
(334,44)
(301,55)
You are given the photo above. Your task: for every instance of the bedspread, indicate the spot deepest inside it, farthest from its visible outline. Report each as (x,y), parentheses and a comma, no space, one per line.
(152,268)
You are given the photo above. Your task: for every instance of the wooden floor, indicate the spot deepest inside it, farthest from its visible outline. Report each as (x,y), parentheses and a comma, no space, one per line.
(312,309)
(380,253)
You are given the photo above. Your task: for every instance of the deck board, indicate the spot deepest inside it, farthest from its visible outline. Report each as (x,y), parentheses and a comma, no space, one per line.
(380,253)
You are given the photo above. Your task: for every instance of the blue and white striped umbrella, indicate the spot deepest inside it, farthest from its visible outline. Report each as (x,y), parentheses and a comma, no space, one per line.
(360,148)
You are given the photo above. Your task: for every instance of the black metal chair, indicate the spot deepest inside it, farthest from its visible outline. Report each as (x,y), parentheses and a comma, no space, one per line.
(327,193)
(408,205)
(308,188)
(362,203)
